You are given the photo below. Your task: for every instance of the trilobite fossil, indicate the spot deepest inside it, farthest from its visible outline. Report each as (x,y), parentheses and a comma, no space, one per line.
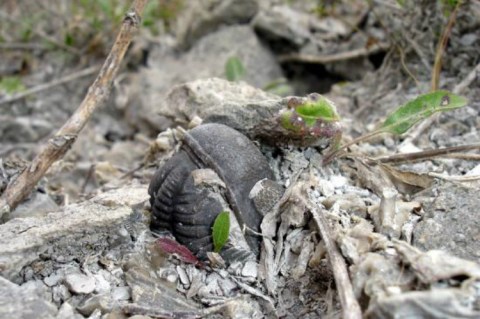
(214,170)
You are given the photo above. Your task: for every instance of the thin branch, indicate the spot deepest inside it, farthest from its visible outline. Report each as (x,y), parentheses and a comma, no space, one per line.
(21,46)
(437,66)
(460,87)
(330,58)
(408,157)
(58,145)
(54,83)
(455,178)
(350,307)
(339,151)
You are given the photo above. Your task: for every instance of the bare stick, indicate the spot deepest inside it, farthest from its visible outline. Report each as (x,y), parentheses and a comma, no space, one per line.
(415,156)
(455,178)
(323,59)
(59,144)
(54,83)
(21,46)
(437,67)
(460,87)
(350,307)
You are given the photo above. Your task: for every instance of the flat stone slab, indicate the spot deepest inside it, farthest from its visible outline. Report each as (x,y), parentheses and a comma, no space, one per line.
(18,302)
(452,223)
(71,229)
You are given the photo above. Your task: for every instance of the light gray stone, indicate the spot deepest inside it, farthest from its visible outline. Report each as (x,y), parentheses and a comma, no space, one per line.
(17,302)
(204,16)
(237,105)
(284,23)
(52,280)
(37,205)
(250,269)
(80,283)
(206,59)
(451,223)
(23,129)
(121,293)
(60,293)
(66,311)
(66,232)
(103,303)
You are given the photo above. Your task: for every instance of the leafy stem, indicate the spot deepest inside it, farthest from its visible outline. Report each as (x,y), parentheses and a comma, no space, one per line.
(407,115)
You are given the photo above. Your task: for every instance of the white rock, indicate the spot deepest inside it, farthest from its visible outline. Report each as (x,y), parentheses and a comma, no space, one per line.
(250,269)
(121,293)
(80,284)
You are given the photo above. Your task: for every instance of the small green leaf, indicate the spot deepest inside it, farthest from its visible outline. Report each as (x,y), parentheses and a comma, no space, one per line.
(220,230)
(11,85)
(419,109)
(321,109)
(69,40)
(234,69)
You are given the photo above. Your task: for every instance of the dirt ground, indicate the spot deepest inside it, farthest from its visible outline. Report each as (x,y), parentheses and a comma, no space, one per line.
(397,235)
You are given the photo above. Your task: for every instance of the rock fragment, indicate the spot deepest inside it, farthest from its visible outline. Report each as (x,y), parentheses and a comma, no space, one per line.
(80,284)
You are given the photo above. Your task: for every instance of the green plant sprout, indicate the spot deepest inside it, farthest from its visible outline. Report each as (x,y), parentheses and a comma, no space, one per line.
(221,230)
(234,69)
(407,115)
(310,119)
(11,85)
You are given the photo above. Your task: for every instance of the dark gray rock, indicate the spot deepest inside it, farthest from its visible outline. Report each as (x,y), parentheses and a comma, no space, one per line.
(204,16)
(282,23)
(452,223)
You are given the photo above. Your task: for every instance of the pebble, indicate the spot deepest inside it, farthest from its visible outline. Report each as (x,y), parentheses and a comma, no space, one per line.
(121,293)
(182,274)
(88,307)
(80,284)
(102,285)
(250,269)
(60,293)
(66,311)
(52,280)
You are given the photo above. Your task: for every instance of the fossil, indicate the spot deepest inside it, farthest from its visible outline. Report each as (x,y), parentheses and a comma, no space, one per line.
(213,171)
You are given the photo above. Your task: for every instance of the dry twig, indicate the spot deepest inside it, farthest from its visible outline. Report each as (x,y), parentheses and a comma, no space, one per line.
(330,58)
(415,156)
(437,66)
(350,307)
(21,46)
(455,178)
(59,144)
(54,83)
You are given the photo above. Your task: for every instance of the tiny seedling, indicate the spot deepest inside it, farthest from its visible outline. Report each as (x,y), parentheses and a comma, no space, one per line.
(170,246)
(234,70)
(11,85)
(312,118)
(409,114)
(221,230)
